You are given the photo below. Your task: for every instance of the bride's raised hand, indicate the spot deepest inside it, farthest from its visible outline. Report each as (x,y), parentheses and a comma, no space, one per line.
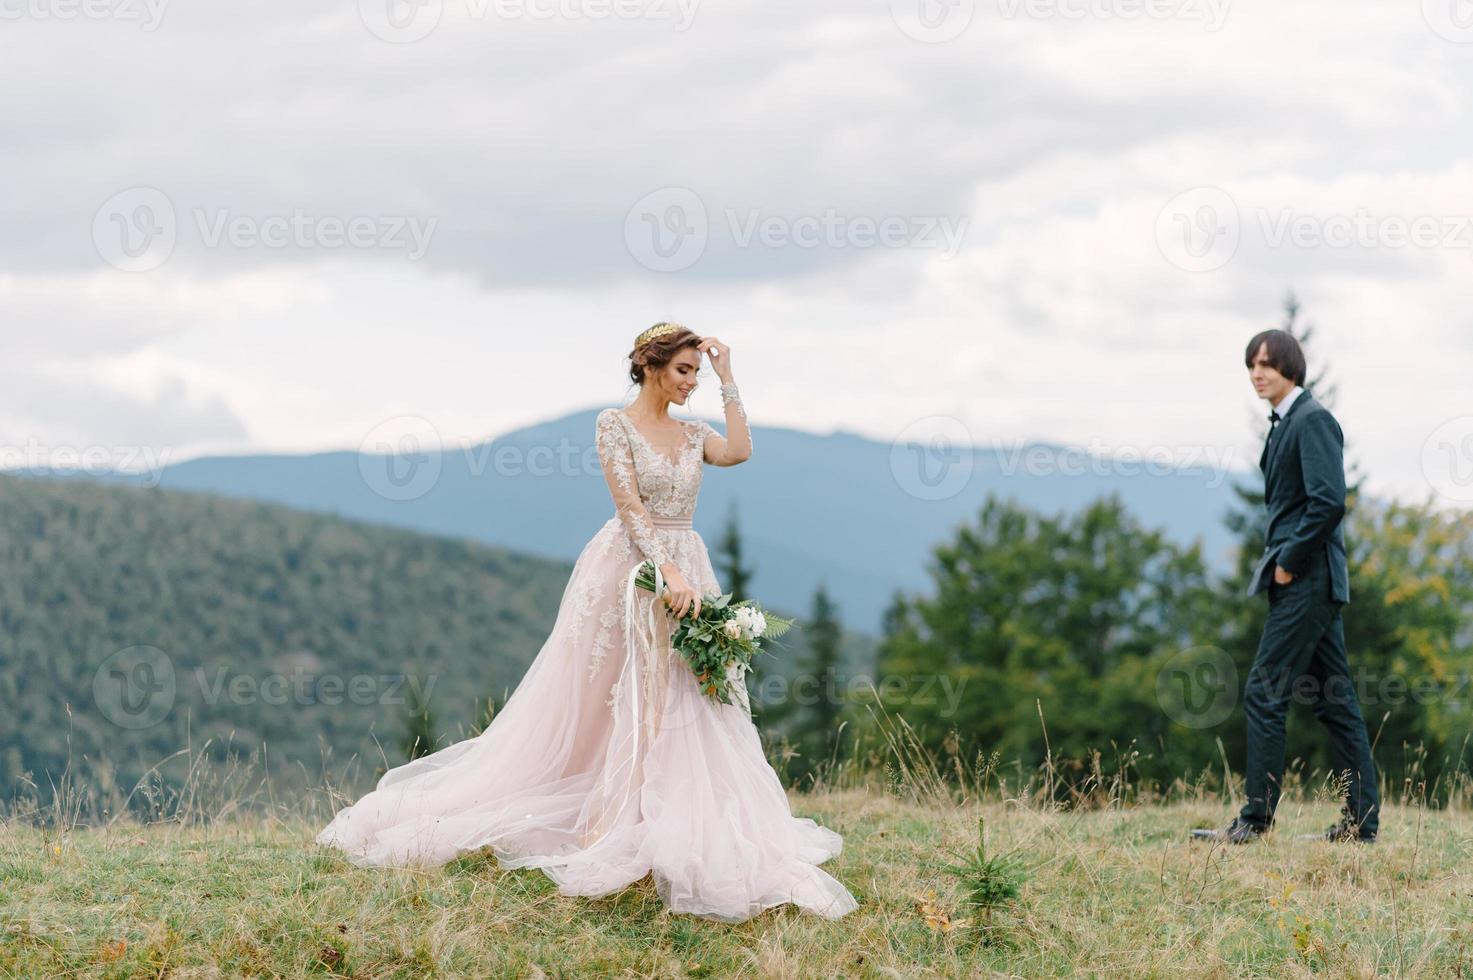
(720,356)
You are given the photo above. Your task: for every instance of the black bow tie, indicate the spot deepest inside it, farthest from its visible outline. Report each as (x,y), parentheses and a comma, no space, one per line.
(1273,418)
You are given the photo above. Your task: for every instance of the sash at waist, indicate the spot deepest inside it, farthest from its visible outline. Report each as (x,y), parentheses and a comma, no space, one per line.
(670,521)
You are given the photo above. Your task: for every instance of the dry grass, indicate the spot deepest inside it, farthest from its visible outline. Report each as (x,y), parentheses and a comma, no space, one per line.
(225,880)
(1112,891)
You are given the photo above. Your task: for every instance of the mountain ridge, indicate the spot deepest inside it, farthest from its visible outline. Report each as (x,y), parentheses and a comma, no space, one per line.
(801,499)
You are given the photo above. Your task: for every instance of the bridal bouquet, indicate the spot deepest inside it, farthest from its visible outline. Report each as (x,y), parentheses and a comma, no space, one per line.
(720,643)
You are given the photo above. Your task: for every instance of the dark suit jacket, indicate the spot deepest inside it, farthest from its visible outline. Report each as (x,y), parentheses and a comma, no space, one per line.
(1303,467)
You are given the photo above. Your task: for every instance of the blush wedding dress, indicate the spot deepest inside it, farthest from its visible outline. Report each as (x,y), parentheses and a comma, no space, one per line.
(607,763)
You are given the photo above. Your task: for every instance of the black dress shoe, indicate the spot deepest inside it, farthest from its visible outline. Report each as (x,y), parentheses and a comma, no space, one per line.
(1237,832)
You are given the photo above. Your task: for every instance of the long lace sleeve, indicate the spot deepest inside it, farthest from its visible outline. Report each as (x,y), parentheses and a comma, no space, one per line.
(736,446)
(616,456)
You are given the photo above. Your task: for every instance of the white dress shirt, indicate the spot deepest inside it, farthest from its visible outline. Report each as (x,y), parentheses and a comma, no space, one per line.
(1283,407)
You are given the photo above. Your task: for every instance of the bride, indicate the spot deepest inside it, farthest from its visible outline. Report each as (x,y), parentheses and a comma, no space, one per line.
(607,763)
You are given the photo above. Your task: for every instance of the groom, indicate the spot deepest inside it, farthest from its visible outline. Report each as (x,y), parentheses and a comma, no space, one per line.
(1305,574)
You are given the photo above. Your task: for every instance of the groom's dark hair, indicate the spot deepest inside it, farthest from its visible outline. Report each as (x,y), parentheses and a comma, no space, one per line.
(1284,354)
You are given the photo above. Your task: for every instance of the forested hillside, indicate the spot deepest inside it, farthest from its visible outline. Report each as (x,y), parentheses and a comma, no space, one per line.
(138,622)
(135,622)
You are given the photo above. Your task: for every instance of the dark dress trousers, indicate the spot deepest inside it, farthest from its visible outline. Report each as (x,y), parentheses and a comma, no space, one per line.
(1302,652)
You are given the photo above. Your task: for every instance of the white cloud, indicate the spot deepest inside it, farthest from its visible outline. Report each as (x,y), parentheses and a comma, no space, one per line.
(1058,140)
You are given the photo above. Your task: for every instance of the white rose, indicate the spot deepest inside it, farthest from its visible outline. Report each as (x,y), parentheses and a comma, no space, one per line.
(753,623)
(733,629)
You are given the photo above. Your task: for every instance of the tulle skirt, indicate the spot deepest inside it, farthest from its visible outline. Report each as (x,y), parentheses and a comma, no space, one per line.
(607,764)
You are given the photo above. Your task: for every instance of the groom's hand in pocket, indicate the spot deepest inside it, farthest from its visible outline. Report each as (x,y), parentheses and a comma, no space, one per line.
(1282,577)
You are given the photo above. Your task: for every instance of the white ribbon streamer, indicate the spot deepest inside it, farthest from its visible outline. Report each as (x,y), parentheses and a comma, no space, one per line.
(626,683)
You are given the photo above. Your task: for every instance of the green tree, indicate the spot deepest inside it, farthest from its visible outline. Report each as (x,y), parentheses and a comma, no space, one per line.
(1411,651)
(1073,613)
(730,563)
(419,725)
(817,697)
(232,592)
(771,712)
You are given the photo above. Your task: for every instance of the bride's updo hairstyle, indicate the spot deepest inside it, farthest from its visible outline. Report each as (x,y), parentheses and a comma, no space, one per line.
(657,347)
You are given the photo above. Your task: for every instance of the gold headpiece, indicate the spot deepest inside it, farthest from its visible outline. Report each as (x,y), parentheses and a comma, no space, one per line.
(658,330)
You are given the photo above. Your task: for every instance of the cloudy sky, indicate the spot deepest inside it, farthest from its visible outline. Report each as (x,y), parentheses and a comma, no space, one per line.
(228,228)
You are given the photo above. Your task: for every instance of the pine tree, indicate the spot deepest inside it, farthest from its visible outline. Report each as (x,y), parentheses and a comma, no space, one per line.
(1078,612)
(419,734)
(816,729)
(729,564)
(737,576)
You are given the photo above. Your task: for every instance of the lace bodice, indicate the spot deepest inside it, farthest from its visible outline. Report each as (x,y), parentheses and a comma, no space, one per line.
(645,480)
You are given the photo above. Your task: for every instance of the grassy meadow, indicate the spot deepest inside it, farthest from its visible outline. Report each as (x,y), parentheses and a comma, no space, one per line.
(1110,889)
